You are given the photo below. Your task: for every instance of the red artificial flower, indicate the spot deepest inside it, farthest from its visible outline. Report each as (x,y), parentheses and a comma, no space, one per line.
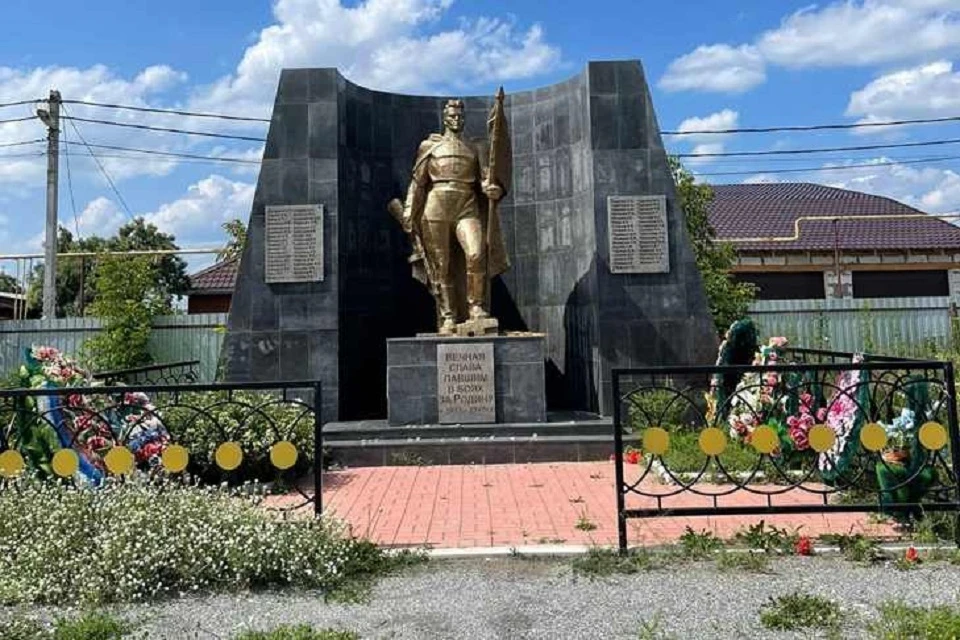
(633,457)
(804,546)
(911,555)
(150,449)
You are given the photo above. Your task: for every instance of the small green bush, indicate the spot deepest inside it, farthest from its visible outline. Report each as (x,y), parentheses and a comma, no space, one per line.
(203,421)
(91,626)
(899,621)
(800,611)
(300,632)
(138,540)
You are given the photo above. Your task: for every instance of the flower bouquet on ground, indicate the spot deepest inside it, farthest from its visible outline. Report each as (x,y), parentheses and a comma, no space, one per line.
(902,471)
(759,398)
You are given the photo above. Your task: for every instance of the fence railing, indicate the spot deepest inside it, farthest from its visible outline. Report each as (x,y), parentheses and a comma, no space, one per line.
(185,372)
(216,432)
(840,434)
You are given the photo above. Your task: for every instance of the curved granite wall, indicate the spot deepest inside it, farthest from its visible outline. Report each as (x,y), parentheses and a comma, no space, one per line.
(351,149)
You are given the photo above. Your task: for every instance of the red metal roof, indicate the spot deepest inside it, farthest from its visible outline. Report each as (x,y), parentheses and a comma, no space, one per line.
(218,278)
(766,210)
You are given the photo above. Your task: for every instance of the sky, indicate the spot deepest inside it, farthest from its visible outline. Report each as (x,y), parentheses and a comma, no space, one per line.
(711,64)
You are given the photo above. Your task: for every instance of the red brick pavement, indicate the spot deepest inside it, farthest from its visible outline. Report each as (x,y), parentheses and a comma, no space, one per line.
(529,504)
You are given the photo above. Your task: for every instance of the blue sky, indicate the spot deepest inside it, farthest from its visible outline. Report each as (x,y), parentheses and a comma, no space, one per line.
(710,63)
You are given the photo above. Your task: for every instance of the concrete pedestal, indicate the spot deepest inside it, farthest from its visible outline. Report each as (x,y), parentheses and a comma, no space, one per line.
(414,394)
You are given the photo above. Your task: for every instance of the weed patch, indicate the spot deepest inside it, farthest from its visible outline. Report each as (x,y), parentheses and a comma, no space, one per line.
(899,621)
(800,611)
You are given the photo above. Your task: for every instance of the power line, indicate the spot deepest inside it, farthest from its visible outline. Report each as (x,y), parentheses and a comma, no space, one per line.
(102,170)
(814,127)
(194,114)
(12,120)
(73,202)
(863,147)
(173,154)
(22,143)
(145,127)
(836,168)
(19,102)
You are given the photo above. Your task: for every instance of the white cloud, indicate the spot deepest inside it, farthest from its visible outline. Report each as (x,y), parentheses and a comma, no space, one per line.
(718,67)
(928,90)
(101,217)
(197,215)
(863,33)
(841,34)
(383,44)
(706,143)
(929,189)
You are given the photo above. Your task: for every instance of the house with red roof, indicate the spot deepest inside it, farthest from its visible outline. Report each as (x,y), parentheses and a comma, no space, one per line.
(808,241)
(212,288)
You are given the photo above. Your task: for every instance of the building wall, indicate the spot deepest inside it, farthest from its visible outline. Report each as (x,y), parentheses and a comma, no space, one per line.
(208,303)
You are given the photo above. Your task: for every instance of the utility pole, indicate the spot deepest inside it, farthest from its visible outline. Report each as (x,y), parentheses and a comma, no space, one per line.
(51,117)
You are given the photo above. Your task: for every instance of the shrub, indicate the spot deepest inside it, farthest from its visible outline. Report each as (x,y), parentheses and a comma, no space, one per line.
(301,632)
(90,626)
(800,611)
(256,420)
(899,620)
(137,540)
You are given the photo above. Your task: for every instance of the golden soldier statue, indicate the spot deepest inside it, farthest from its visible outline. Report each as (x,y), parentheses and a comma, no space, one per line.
(450,214)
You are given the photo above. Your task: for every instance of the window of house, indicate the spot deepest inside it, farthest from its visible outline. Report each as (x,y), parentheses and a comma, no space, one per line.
(803,285)
(900,284)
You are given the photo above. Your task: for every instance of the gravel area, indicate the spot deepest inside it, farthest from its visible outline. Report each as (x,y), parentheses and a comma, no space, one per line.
(520,598)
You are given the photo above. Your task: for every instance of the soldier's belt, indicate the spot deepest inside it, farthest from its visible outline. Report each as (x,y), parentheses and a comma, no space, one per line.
(463,187)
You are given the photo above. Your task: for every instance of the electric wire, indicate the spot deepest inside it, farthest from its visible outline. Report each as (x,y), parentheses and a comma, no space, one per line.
(832,168)
(192,114)
(862,147)
(188,132)
(22,143)
(102,170)
(73,201)
(814,127)
(19,102)
(12,120)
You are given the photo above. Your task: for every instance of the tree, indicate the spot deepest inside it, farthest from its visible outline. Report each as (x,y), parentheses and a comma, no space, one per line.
(126,299)
(729,300)
(9,284)
(75,290)
(236,239)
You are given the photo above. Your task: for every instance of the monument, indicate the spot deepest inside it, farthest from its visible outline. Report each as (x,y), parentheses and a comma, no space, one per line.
(541,228)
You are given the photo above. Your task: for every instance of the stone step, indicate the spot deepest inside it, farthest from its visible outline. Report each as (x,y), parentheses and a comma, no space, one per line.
(497,449)
(380,430)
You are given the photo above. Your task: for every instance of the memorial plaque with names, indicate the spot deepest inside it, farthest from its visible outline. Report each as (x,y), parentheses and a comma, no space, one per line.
(465,383)
(637,231)
(293,243)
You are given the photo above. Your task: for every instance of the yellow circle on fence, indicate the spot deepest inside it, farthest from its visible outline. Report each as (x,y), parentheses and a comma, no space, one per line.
(175,458)
(119,460)
(873,437)
(228,456)
(821,438)
(656,441)
(764,439)
(11,463)
(65,463)
(933,436)
(713,442)
(283,455)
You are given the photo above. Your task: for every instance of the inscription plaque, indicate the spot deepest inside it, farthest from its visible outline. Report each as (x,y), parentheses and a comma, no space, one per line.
(465,383)
(637,231)
(293,243)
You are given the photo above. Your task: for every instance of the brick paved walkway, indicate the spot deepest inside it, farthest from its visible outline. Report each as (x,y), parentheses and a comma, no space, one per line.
(530,504)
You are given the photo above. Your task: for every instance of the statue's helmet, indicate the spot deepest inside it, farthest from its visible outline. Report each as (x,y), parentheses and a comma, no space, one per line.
(453,104)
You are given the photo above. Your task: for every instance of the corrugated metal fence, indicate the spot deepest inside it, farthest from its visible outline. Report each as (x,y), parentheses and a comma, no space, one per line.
(890,325)
(174,338)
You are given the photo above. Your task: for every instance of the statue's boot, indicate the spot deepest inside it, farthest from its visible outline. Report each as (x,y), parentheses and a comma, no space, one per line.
(448,325)
(476,294)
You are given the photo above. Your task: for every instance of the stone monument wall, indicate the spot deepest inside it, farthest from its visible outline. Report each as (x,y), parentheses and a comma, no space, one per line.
(351,150)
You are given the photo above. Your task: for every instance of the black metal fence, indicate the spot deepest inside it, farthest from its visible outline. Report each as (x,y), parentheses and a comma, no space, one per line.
(233,433)
(185,372)
(818,431)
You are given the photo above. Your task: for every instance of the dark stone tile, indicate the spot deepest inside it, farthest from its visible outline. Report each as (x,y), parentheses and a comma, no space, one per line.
(403,410)
(604,122)
(294,356)
(269,183)
(382,129)
(538,451)
(408,382)
(524,179)
(405,353)
(295,181)
(431,410)
(518,99)
(293,86)
(295,130)
(236,356)
(364,128)
(519,350)
(630,77)
(633,126)
(358,455)
(563,173)
(323,85)
(265,355)
(324,357)
(546,179)
(561,121)
(543,127)
(326,193)
(496,453)
(263,313)
(521,130)
(309,311)
(322,133)
(603,77)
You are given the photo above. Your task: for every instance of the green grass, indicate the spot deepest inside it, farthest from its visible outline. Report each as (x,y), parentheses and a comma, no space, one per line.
(696,545)
(767,538)
(750,562)
(855,547)
(301,632)
(685,455)
(800,611)
(89,626)
(899,621)
(600,562)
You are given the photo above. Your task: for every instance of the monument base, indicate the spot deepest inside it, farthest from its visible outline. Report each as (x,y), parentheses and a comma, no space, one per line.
(461,390)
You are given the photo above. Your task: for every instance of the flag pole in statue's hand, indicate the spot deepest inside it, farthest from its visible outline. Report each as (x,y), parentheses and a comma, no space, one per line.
(495,124)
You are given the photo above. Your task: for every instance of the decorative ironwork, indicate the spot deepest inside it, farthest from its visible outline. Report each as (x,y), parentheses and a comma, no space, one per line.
(184,372)
(85,434)
(818,431)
